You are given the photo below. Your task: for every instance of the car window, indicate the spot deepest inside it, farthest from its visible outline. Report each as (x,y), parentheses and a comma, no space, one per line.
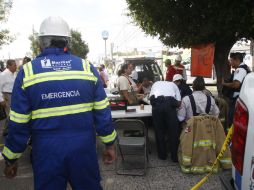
(144,68)
(155,69)
(139,68)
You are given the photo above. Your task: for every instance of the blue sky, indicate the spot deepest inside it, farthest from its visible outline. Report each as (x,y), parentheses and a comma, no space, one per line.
(90,17)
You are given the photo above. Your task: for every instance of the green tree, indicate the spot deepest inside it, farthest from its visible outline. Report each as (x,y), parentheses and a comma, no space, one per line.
(77,45)
(185,23)
(5,6)
(34,44)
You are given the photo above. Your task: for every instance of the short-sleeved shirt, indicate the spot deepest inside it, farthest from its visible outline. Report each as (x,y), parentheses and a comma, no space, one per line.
(239,75)
(185,111)
(172,70)
(126,83)
(165,88)
(7,79)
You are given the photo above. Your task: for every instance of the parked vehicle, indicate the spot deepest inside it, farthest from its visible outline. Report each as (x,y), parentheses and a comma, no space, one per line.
(145,67)
(243,138)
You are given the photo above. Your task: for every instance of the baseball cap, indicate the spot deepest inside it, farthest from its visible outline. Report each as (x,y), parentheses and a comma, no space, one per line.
(177,77)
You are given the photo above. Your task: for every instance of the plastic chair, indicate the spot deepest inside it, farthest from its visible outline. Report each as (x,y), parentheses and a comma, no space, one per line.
(132,136)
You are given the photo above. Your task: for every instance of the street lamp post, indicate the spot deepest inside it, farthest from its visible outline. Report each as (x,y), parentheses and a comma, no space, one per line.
(105,37)
(112,48)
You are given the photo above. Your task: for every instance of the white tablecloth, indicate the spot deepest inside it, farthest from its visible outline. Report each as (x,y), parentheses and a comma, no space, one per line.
(138,113)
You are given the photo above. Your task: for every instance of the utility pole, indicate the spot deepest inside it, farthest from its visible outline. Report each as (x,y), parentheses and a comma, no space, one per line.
(105,48)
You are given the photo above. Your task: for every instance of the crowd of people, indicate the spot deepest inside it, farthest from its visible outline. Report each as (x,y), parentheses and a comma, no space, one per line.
(7,78)
(53,121)
(174,102)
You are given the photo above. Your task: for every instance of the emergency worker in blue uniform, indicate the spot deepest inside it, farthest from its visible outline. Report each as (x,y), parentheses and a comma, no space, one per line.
(60,100)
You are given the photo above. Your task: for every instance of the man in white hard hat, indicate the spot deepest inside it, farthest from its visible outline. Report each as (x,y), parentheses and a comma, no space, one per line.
(59,98)
(183,87)
(177,78)
(177,68)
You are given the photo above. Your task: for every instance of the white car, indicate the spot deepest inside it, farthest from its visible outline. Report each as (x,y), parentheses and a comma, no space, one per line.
(145,67)
(243,137)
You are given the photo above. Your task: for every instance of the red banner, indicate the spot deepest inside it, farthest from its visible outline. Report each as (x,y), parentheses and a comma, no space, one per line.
(202,57)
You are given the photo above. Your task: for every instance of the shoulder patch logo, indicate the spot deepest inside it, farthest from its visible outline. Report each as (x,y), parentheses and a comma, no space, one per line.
(56,65)
(45,63)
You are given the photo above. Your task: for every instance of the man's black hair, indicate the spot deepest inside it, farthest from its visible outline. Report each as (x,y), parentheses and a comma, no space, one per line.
(10,62)
(237,55)
(59,43)
(198,84)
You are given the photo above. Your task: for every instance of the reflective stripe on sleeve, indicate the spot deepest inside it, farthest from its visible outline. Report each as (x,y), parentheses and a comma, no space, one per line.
(9,154)
(57,75)
(108,138)
(19,118)
(62,110)
(28,69)
(186,160)
(101,104)
(86,66)
(222,119)
(226,161)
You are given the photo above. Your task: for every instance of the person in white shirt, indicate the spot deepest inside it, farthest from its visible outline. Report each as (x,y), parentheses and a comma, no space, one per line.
(134,73)
(7,78)
(165,98)
(197,103)
(236,61)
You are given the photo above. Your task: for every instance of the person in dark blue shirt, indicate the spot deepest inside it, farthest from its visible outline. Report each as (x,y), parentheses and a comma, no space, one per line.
(183,87)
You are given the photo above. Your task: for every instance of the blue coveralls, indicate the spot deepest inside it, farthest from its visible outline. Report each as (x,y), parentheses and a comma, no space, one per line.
(59,98)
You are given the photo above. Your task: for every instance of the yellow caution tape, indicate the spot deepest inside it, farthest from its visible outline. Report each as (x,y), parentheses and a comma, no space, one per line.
(222,151)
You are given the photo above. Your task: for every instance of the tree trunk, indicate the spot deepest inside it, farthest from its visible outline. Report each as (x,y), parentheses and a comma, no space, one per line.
(222,67)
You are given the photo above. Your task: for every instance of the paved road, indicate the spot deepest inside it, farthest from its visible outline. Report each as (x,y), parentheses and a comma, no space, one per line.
(161,175)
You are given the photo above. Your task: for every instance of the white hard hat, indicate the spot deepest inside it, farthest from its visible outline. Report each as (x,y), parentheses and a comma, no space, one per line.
(54,26)
(177,77)
(178,58)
